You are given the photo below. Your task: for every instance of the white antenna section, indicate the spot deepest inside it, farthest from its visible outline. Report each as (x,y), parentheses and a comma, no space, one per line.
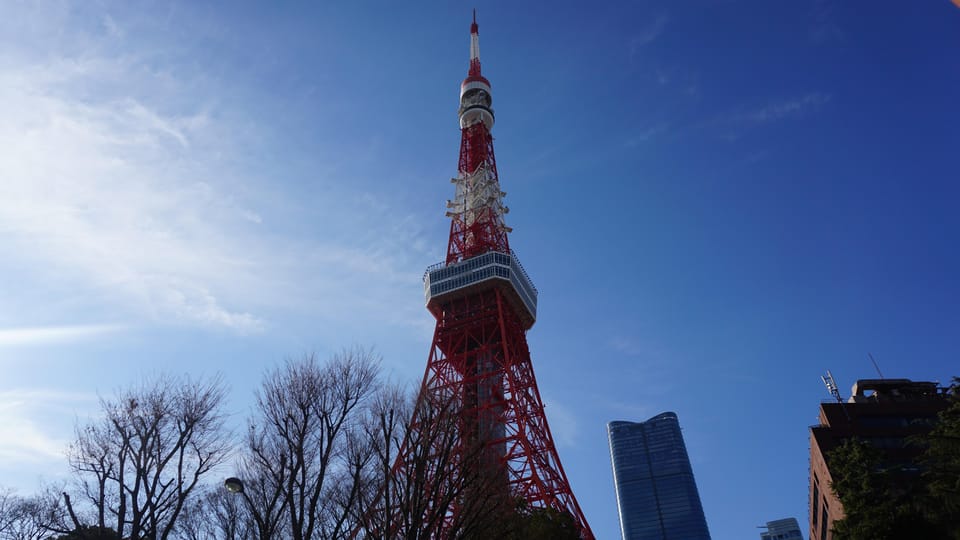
(477,195)
(474,46)
(831,386)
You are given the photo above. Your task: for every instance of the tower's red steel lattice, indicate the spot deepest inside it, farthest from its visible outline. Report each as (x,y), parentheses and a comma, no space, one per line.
(484,303)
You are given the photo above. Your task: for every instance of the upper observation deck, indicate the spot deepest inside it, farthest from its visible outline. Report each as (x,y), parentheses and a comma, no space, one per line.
(443,283)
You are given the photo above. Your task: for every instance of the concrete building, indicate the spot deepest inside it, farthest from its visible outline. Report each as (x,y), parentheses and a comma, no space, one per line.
(782,529)
(657,497)
(882,412)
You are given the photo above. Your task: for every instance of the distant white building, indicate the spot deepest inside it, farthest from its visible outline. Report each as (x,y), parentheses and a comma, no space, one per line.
(782,529)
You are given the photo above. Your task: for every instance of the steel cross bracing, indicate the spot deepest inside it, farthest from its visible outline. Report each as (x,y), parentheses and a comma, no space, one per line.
(481,331)
(479,356)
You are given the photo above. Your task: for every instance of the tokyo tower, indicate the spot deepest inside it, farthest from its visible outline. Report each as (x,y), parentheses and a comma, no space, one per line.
(484,302)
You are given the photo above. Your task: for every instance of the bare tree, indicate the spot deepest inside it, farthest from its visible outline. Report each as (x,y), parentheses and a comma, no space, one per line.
(31,518)
(138,465)
(8,510)
(425,480)
(263,467)
(302,442)
(215,515)
(332,453)
(23,520)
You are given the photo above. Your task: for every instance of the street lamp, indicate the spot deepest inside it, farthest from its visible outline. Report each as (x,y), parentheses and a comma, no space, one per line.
(233,485)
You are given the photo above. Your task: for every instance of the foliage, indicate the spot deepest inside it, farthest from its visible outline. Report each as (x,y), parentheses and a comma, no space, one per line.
(543,524)
(865,490)
(942,463)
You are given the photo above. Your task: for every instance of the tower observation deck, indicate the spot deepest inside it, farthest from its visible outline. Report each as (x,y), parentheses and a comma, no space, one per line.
(484,302)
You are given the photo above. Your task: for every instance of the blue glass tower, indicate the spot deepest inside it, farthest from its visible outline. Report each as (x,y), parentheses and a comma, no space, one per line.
(656,494)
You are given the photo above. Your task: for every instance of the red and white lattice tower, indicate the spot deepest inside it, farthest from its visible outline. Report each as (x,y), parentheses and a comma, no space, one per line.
(484,303)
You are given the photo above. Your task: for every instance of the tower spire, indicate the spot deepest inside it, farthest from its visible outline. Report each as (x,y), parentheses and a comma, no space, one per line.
(474,47)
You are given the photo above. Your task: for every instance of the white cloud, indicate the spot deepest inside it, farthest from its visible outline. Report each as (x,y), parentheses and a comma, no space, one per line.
(53,334)
(99,192)
(27,416)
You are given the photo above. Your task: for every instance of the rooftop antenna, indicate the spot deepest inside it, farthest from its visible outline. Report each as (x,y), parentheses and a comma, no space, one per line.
(835,392)
(875,366)
(831,386)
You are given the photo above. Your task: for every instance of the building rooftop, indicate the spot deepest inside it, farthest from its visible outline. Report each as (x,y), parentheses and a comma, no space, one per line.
(892,390)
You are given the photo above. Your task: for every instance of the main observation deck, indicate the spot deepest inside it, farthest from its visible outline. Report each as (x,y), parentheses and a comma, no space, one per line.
(443,283)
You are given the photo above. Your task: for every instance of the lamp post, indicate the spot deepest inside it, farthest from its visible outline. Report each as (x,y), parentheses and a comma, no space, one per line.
(264,529)
(233,485)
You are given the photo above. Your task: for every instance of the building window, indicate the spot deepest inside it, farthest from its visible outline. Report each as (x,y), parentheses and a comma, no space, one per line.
(823,522)
(816,498)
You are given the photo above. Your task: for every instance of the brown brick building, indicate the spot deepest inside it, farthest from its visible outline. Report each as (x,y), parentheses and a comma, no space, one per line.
(882,412)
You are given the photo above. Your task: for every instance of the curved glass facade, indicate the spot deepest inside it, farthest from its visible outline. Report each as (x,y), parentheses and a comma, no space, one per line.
(656,495)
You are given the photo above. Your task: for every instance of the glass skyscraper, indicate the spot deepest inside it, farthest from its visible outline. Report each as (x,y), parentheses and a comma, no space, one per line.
(782,529)
(656,494)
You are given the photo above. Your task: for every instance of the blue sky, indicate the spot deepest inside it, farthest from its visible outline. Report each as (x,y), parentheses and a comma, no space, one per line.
(718,200)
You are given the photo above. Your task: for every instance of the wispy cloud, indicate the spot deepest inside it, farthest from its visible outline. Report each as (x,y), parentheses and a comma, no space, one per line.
(98,191)
(825,27)
(638,357)
(645,135)
(26,416)
(45,335)
(111,26)
(628,346)
(790,107)
(139,206)
(648,34)
(684,81)
(733,125)
(626,410)
(563,422)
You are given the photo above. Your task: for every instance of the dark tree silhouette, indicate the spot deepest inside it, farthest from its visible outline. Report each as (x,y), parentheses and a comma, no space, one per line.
(89,533)
(942,463)
(301,442)
(215,514)
(543,524)
(864,489)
